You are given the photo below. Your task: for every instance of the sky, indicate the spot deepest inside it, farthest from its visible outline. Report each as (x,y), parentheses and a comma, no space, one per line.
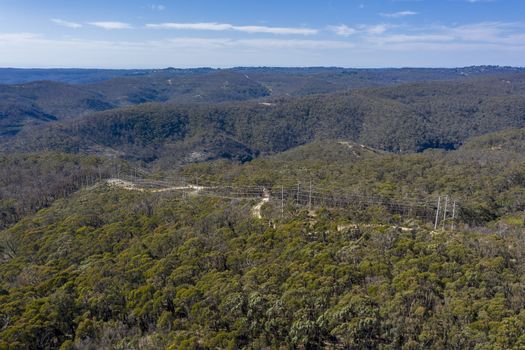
(229,33)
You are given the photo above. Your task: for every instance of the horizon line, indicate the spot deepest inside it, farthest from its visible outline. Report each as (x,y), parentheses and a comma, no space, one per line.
(269,67)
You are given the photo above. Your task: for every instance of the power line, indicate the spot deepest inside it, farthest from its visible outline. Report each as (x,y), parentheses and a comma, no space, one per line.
(314,197)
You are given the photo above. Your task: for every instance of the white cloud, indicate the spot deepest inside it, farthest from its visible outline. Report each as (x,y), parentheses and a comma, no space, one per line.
(408,38)
(33,50)
(213,26)
(425,46)
(294,44)
(6,38)
(374,29)
(487,37)
(491,35)
(492,32)
(192,26)
(226,43)
(67,24)
(342,30)
(157,7)
(399,14)
(111,25)
(275,30)
(382,44)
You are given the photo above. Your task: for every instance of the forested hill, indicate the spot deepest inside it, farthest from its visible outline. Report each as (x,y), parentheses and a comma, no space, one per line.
(67,93)
(404,118)
(64,75)
(267,74)
(36,103)
(110,269)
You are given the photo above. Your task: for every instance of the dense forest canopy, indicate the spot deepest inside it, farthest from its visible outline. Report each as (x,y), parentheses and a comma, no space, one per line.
(110,269)
(93,258)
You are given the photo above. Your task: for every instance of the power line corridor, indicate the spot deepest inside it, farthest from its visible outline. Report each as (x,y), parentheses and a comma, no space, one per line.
(443,213)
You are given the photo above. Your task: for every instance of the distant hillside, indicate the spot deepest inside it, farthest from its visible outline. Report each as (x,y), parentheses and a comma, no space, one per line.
(512,140)
(404,118)
(328,151)
(73,76)
(168,86)
(265,74)
(17,113)
(43,101)
(316,80)
(61,96)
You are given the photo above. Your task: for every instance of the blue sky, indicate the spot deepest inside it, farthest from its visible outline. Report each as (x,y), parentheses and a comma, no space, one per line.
(215,33)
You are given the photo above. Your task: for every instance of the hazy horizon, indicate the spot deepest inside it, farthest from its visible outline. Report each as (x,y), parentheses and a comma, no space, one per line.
(259,67)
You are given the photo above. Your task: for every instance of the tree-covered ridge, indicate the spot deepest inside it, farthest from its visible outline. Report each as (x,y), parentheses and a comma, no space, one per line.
(38,103)
(486,175)
(267,75)
(56,94)
(403,118)
(30,182)
(110,269)
(64,75)
(488,181)
(24,103)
